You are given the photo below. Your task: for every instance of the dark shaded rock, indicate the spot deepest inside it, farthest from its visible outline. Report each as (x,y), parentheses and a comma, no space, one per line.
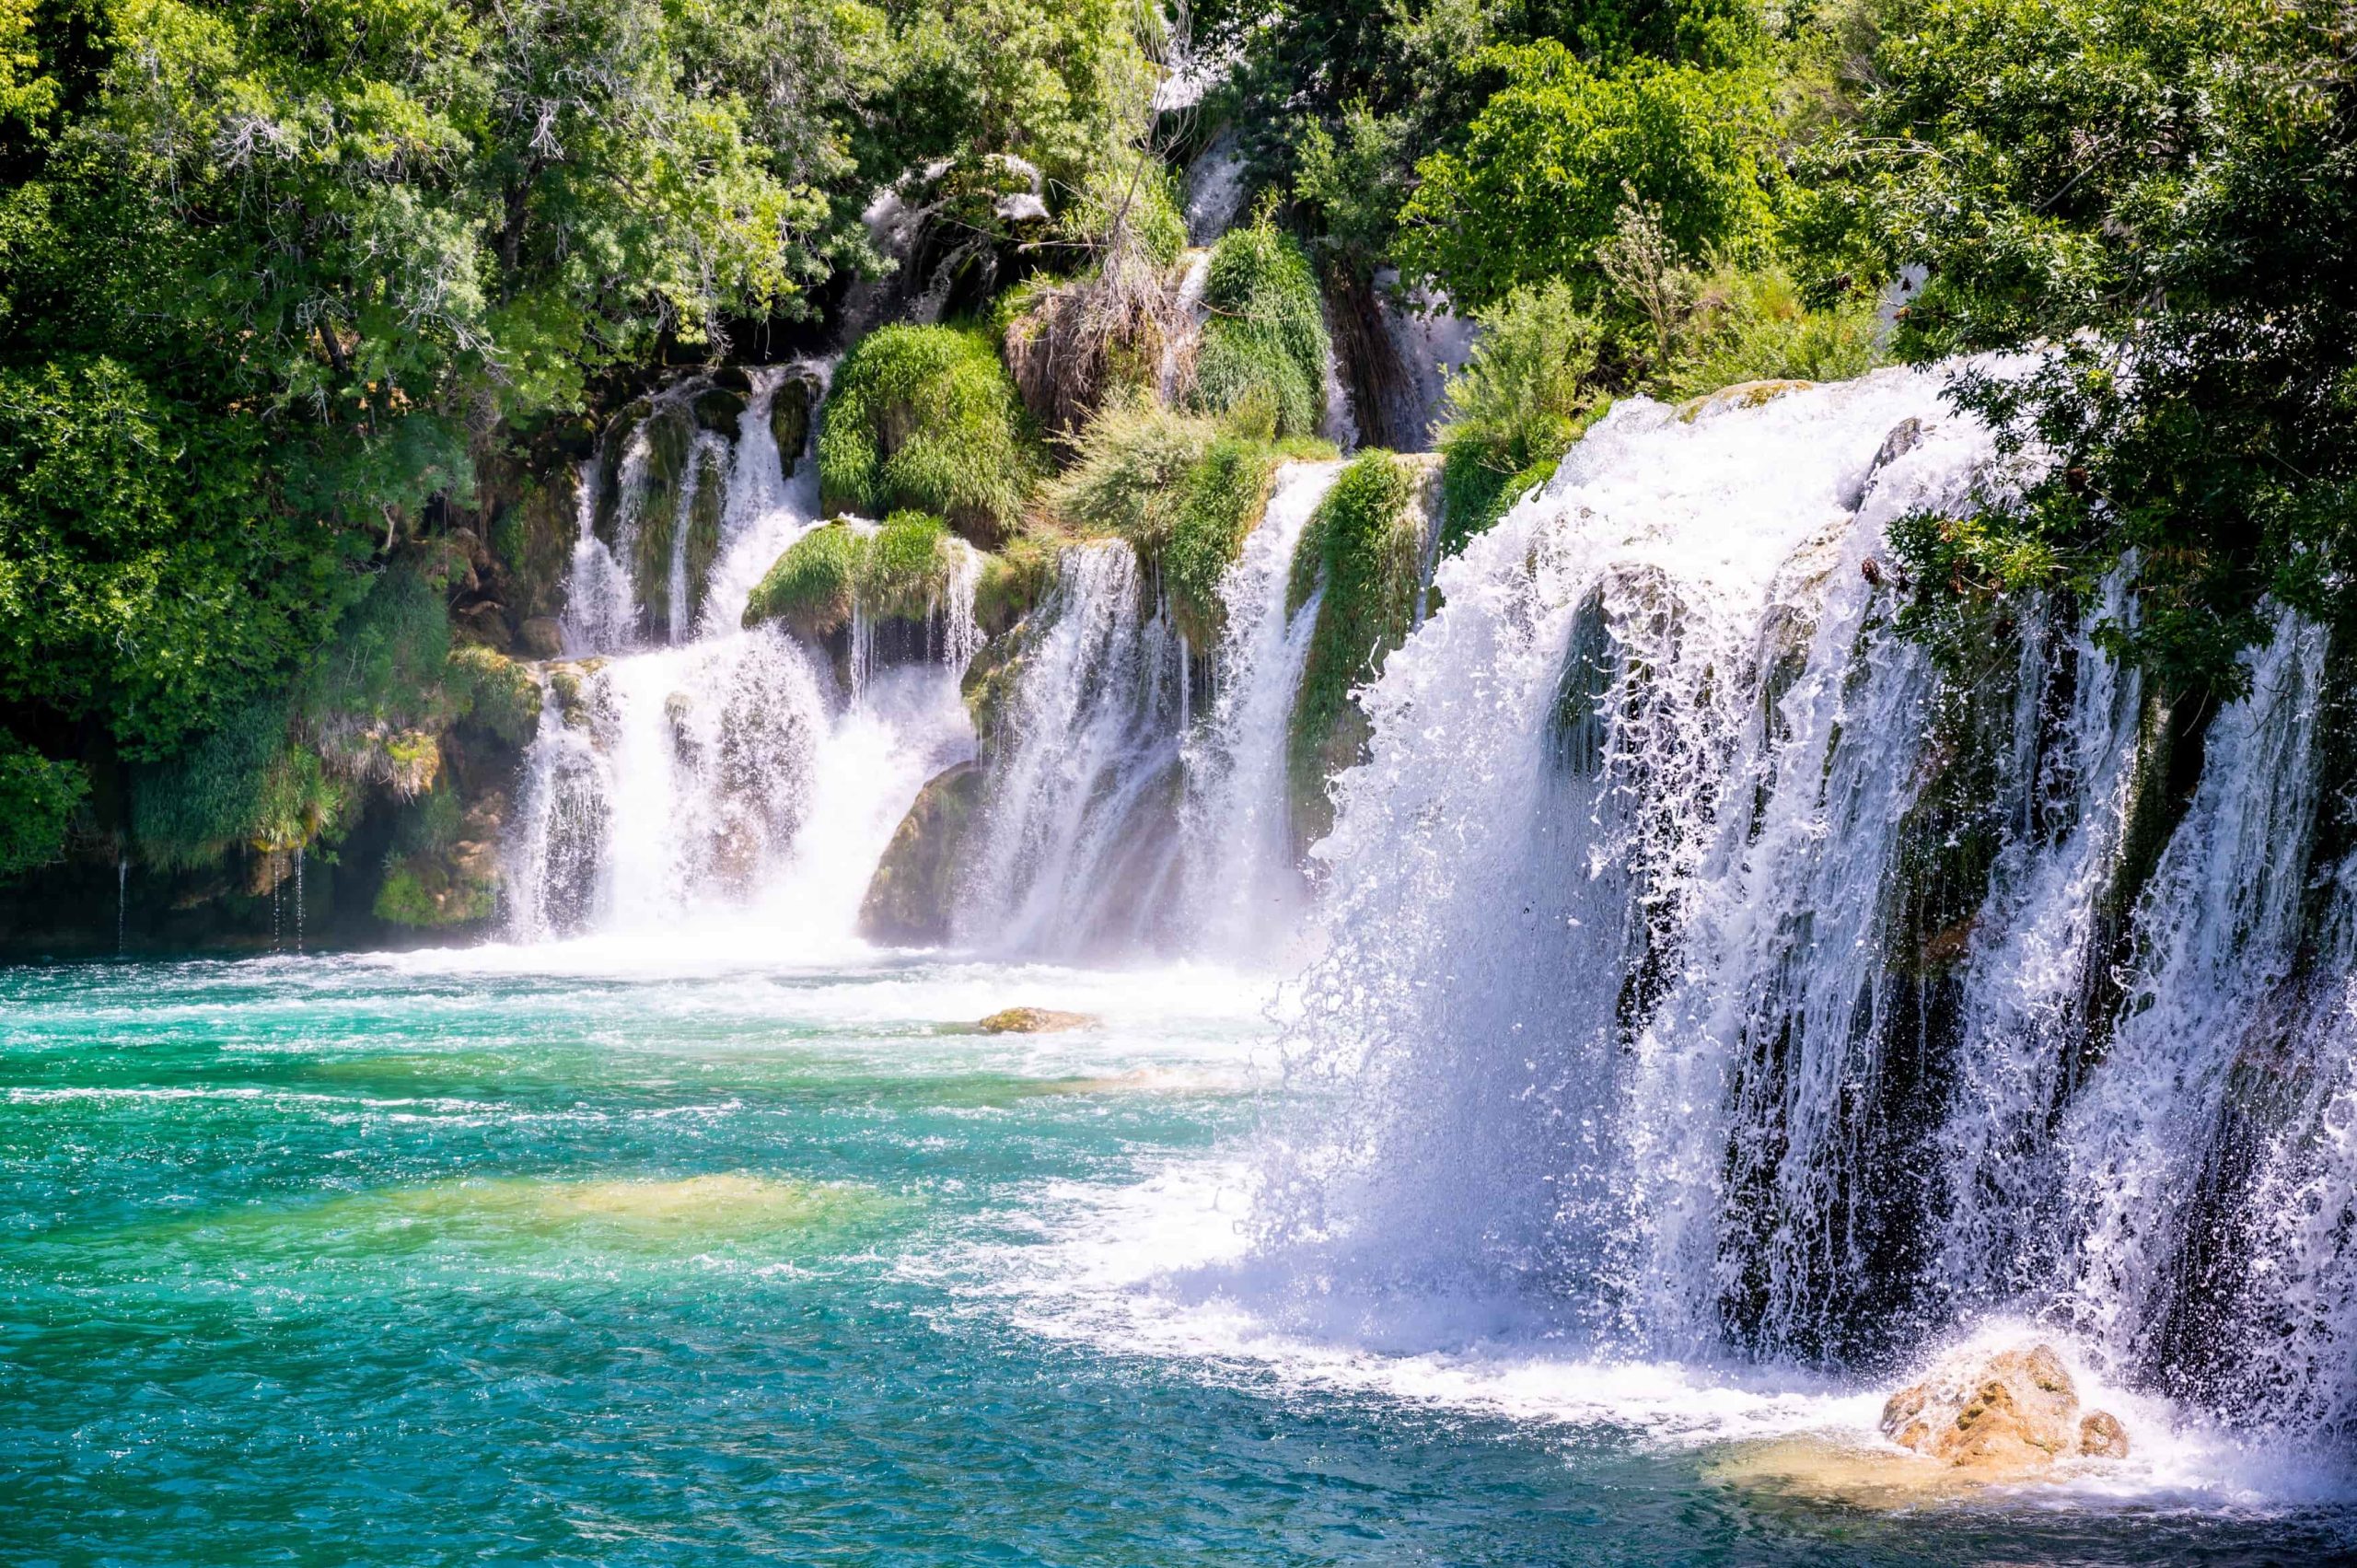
(719,411)
(790,418)
(484,624)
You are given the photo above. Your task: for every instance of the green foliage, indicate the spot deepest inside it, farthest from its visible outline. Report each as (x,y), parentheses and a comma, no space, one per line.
(187,810)
(1362,556)
(1265,341)
(2168,215)
(146,578)
(37,799)
(1124,197)
(495,693)
(1129,472)
(1545,167)
(1355,184)
(1529,389)
(925,418)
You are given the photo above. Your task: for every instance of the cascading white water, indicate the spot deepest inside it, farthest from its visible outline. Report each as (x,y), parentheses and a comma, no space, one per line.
(1598,780)
(1243,892)
(727,771)
(1710,968)
(1078,846)
(1116,816)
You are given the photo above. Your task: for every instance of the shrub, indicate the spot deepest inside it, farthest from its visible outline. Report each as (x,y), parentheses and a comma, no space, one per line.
(925,418)
(1524,395)
(1182,491)
(1265,341)
(1363,552)
(495,692)
(1752,326)
(37,799)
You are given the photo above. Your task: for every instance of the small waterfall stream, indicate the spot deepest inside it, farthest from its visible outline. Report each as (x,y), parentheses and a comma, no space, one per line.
(1118,817)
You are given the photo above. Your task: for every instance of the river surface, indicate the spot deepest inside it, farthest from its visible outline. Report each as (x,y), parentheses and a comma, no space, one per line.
(636,1254)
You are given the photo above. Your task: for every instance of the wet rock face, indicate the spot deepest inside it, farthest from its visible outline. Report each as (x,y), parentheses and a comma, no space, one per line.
(2010,1413)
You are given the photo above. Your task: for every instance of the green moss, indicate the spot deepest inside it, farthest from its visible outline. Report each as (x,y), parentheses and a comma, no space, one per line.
(1263,349)
(1363,551)
(1014,580)
(1475,492)
(900,571)
(705,512)
(497,692)
(925,418)
(1224,500)
(815,584)
(37,799)
(423,891)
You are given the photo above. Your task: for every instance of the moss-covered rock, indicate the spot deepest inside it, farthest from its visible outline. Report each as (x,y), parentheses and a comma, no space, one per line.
(719,410)
(813,586)
(924,419)
(1181,491)
(1363,552)
(1264,346)
(911,898)
(899,572)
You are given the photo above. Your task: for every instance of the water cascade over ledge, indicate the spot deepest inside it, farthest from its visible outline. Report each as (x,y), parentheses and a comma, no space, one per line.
(1716,973)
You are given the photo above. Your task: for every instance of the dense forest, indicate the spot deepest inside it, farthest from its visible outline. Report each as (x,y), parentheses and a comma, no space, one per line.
(303,303)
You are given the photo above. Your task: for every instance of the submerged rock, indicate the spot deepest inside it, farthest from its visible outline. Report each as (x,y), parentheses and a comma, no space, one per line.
(2007,1415)
(1034,1021)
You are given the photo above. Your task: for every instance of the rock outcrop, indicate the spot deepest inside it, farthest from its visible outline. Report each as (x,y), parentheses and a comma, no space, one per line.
(2011,1413)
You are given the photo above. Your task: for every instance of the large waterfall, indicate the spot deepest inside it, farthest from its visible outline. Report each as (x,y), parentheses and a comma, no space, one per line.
(1714,972)
(686,767)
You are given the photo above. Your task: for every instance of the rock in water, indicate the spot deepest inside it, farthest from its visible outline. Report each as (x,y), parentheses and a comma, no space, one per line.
(2012,1413)
(2101,1436)
(1033,1021)
(915,884)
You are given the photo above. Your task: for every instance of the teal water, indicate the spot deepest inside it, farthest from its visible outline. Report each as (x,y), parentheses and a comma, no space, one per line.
(422,1260)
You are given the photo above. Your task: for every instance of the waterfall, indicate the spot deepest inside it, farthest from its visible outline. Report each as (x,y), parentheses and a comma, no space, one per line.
(1118,817)
(1714,972)
(1245,893)
(1078,843)
(727,771)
